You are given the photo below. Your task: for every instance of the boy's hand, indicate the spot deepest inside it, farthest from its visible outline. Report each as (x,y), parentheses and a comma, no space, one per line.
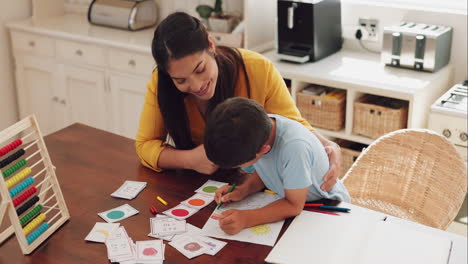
(237,194)
(233,221)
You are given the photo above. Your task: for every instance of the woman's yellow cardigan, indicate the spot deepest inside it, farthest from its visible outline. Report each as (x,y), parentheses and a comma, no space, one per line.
(266,87)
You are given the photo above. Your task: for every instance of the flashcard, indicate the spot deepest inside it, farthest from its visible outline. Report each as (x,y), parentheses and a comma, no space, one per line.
(189,246)
(150,250)
(180,212)
(167,226)
(214,245)
(119,213)
(129,189)
(101,231)
(198,201)
(210,187)
(119,248)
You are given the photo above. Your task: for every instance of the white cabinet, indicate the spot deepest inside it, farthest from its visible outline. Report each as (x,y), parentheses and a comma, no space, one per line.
(63,82)
(36,80)
(86,96)
(128,96)
(361,73)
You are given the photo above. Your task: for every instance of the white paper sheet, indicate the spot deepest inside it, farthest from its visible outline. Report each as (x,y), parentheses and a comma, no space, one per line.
(263,234)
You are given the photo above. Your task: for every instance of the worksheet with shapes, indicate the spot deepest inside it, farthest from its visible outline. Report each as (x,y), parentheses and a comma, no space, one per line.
(265,234)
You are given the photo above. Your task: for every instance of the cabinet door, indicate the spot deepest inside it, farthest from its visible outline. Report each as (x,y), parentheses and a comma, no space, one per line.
(128,96)
(85,97)
(36,82)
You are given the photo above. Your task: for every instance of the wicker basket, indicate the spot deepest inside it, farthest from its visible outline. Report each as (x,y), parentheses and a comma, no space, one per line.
(350,151)
(323,111)
(375,116)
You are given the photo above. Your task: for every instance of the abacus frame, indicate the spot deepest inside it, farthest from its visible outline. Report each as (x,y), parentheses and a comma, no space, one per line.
(50,183)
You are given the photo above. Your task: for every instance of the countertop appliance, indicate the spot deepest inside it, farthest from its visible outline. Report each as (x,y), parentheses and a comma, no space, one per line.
(308,30)
(416,46)
(449,117)
(124,14)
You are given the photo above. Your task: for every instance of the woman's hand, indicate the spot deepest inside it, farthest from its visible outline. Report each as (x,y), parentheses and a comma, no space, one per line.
(199,161)
(222,195)
(334,155)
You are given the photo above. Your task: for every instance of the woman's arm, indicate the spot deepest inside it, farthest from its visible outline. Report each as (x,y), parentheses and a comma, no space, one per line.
(279,101)
(150,143)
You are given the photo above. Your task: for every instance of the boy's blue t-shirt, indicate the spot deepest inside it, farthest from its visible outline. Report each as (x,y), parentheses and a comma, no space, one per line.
(297,160)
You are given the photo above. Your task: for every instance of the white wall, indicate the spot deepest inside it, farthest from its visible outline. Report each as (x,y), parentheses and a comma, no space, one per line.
(8,106)
(392,15)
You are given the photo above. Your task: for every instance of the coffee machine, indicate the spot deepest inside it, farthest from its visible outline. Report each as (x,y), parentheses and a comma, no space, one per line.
(308,30)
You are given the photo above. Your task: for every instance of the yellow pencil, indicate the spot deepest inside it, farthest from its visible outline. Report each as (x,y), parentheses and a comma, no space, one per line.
(269,191)
(161,200)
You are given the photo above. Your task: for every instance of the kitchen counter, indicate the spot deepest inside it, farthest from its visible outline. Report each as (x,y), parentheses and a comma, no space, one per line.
(76,27)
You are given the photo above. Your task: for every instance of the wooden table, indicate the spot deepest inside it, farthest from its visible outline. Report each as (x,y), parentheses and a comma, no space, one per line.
(91,164)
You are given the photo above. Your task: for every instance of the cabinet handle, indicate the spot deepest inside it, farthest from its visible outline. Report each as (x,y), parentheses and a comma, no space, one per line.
(63,102)
(446,133)
(79,52)
(132,63)
(32,43)
(463,136)
(55,99)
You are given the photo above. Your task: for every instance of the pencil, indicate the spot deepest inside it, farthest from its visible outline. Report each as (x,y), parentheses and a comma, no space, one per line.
(312,205)
(334,208)
(269,191)
(161,200)
(230,190)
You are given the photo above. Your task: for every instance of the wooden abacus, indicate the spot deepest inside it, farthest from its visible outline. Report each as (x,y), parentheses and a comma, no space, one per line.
(29,207)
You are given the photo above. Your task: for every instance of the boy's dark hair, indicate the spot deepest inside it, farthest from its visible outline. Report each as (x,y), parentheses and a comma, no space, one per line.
(235,131)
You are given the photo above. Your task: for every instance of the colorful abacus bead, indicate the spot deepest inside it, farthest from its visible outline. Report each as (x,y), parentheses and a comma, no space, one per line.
(10,147)
(37,232)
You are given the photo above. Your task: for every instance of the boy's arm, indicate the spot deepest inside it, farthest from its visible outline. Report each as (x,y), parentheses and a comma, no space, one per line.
(252,184)
(234,221)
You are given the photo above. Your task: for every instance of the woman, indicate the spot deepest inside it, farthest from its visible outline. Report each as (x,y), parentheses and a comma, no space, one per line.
(193,76)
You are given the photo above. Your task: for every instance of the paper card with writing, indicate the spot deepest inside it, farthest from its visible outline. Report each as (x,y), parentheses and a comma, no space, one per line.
(167,226)
(129,189)
(198,201)
(192,231)
(214,245)
(101,231)
(210,187)
(189,246)
(120,248)
(149,250)
(118,213)
(180,212)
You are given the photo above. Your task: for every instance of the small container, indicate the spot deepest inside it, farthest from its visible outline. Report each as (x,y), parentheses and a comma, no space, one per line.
(323,107)
(375,116)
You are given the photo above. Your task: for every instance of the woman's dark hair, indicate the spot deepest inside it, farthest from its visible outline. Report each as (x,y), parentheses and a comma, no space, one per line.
(177,36)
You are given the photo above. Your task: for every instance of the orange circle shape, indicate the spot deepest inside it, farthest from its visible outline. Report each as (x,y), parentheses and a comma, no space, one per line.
(196,202)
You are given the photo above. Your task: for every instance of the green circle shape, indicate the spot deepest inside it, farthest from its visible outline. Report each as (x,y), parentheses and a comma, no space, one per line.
(115,214)
(210,189)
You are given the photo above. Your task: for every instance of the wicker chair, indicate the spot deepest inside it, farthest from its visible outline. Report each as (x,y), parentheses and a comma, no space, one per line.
(413,174)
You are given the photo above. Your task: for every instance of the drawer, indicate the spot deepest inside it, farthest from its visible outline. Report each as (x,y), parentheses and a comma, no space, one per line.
(81,53)
(131,62)
(33,43)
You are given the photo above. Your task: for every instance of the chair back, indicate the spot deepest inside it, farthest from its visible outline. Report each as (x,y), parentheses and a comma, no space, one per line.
(414,174)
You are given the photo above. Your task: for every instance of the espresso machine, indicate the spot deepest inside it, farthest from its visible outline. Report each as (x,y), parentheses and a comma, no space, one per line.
(308,30)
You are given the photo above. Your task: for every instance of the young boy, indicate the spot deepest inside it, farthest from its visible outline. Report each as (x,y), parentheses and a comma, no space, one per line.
(288,159)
